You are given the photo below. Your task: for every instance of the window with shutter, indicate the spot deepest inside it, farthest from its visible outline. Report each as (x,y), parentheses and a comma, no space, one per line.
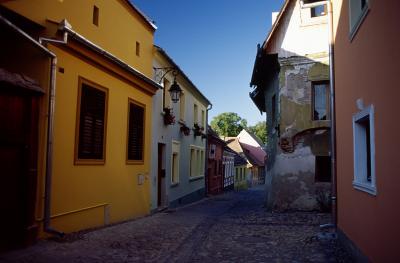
(135,151)
(90,137)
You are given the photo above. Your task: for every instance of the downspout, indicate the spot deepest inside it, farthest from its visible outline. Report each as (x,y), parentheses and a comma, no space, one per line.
(332,108)
(207,153)
(50,134)
(49,155)
(333,114)
(50,114)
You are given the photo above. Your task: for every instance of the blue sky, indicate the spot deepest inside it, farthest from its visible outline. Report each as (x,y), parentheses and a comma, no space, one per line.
(214,42)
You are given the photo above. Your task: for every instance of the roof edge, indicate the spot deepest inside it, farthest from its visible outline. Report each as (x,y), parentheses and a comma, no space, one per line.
(276,23)
(143,15)
(170,60)
(109,56)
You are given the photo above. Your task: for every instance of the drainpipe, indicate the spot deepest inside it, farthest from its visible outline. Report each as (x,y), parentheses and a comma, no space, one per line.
(49,155)
(50,134)
(50,113)
(328,3)
(206,153)
(333,115)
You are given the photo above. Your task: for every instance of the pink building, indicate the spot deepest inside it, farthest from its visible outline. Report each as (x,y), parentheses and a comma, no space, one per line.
(367,41)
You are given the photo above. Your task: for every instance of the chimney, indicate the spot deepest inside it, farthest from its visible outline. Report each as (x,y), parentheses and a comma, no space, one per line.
(274,16)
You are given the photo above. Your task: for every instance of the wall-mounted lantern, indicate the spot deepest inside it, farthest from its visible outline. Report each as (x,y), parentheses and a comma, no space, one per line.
(175,90)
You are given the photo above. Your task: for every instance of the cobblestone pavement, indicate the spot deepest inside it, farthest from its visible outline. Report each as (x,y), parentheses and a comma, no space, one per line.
(233,227)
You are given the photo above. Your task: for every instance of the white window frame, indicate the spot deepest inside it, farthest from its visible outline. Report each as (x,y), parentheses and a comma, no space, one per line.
(360,181)
(358,17)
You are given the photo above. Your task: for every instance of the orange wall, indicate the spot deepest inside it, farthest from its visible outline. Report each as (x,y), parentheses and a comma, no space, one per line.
(367,67)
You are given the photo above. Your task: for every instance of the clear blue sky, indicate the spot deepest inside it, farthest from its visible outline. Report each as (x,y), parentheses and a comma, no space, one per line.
(214,42)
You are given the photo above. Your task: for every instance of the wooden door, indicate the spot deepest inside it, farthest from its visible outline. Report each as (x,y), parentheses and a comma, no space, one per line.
(161,175)
(18,167)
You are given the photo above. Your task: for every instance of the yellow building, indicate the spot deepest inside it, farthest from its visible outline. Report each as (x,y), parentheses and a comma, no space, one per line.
(98,161)
(241,177)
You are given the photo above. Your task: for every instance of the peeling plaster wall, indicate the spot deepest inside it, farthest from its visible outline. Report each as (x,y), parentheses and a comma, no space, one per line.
(290,178)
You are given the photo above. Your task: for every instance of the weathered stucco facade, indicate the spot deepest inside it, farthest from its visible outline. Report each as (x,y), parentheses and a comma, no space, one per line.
(288,71)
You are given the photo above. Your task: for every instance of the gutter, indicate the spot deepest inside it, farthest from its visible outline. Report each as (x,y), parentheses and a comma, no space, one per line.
(50,137)
(81,39)
(333,223)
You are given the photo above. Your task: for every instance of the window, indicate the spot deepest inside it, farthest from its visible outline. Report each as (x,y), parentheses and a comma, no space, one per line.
(322,168)
(202,162)
(137,49)
(192,162)
(320,100)
(136,117)
(364,151)
(182,107)
(203,118)
(175,163)
(213,148)
(175,171)
(95,18)
(197,161)
(318,11)
(91,123)
(166,96)
(195,114)
(358,9)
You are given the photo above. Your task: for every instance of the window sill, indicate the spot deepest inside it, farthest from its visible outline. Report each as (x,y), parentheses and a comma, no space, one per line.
(174,185)
(131,162)
(321,20)
(89,162)
(365,187)
(192,179)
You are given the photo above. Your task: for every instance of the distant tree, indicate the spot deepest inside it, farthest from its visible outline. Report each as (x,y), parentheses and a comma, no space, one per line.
(228,124)
(260,130)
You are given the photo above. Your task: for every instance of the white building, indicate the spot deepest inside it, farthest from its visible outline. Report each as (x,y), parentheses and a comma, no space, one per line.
(178,149)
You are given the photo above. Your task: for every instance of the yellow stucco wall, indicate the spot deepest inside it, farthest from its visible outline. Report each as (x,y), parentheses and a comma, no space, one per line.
(111,189)
(241,183)
(86,196)
(120,27)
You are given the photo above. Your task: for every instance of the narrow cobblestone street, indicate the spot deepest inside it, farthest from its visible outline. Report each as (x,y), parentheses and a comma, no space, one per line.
(233,227)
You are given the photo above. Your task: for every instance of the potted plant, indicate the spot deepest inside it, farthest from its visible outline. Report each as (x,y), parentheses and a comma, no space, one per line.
(185,129)
(198,131)
(169,118)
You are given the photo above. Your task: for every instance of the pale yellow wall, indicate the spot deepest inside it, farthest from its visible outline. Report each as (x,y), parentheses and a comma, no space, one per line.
(241,183)
(115,183)
(119,26)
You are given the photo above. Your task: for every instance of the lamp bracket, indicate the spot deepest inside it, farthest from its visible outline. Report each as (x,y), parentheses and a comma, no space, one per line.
(160,73)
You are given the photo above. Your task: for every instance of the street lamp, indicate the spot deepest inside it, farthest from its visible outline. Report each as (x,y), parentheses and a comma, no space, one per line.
(175,90)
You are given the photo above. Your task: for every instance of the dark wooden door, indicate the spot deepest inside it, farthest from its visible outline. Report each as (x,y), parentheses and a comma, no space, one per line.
(18,167)
(160,175)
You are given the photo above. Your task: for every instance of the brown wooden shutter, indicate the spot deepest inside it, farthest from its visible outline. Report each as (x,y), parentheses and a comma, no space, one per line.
(136,132)
(92,123)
